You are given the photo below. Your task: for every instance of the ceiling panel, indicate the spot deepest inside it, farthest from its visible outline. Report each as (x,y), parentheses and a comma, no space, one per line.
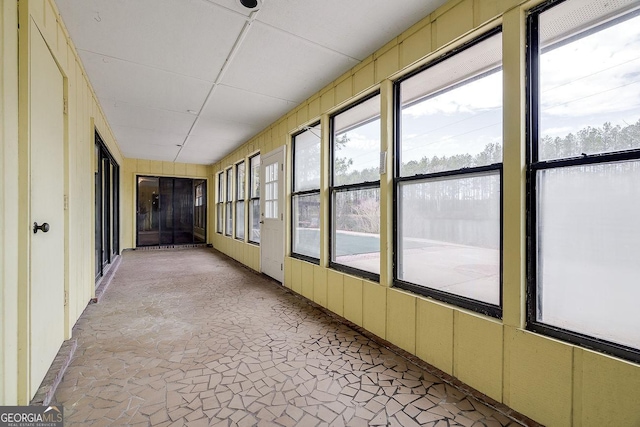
(241,106)
(216,129)
(134,137)
(356,27)
(135,84)
(123,114)
(188,37)
(205,148)
(151,152)
(274,63)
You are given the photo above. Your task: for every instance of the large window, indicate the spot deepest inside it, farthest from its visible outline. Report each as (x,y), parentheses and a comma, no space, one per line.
(355,189)
(448,178)
(107,188)
(584,172)
(240,190)
(220,204)
(254,199)
(228,221)
(305,198)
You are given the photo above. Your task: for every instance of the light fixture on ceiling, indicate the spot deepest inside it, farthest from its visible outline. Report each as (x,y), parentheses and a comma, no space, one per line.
(250,4)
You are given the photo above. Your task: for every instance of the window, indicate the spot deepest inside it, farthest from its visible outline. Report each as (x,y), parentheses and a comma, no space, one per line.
(228,231)
(355,189)
(220,204)
(583,174)
(254,199)
(106,207)
(240,224)
(305,198)
(448,178)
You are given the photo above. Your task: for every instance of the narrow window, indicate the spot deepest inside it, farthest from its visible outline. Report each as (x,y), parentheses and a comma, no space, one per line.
(448,178)
(240,190)
(584,170)
(305,198)
(355,189)
(254,199)
(229,205)
(220,203)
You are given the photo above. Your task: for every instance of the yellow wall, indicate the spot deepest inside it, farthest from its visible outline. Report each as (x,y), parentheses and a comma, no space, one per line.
(83,114)
(135,167)
(553,382)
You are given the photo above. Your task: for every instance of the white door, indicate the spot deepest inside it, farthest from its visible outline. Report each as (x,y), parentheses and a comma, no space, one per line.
(46,296)
(272,214)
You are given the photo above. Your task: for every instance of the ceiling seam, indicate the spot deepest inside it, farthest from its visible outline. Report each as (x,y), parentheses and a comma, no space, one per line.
(234,50)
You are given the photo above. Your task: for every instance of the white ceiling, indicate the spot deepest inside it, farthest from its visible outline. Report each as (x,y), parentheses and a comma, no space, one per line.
(190,80)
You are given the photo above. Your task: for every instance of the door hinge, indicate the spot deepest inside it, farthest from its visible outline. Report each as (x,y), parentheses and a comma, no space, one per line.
(281,217)
(66,202)
(282,166)
(65,107)
(66,298)
(281,268)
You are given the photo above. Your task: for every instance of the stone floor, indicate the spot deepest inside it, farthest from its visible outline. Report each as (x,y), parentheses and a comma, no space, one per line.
(187,337)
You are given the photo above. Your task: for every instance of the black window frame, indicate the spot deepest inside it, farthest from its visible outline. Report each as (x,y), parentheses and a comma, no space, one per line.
(252,198)
(240,186)
(477,306)
(535,165)
(228,177)
(295,193)
(334,189)
(220,204)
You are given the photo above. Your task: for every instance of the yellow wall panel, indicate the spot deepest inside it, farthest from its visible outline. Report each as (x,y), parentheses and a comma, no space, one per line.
(374,308)
(320,285)
(292,123)
(485,10)
(454,22)
(192,169)
(314,108)
(609,392)
(180,169)
(353,299)
(50,29)
(287,272)
(364,78)
(401,319)
(415,46)
(540,377)
(168,168)
(302,114)
(335,292)
(296,276)
(477,353)
(344,90)
(307,279)
(327,100)
(434,334)
(387,63)
(144,167)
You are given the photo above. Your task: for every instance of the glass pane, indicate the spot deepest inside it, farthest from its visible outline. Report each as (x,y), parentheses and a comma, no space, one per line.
(240,220)
(219,217)
(254,221)
(148,212)
(588,252)
(240,180)
(449,235)
(451,115)
(220,187)
(356,144)
(357,229)
(589,85)
(229,185)
(200,211)
(166,211)
(228,220)
(306,160)
(183,210)
(306,225)
(255,176)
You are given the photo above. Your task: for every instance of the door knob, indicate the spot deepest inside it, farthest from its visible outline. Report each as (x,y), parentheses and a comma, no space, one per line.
(44,227)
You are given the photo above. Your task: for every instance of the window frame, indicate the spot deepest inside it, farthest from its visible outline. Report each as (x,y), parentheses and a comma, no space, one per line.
(334,189)
(228,200)
(240,186)
(535,165)
(478,306)
(252,198)
(295,193)
(220,202)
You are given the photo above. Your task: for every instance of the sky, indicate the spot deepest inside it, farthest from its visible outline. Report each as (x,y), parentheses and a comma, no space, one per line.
(587,82)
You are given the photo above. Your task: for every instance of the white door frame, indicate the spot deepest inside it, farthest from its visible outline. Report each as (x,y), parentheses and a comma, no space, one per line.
(272,232)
